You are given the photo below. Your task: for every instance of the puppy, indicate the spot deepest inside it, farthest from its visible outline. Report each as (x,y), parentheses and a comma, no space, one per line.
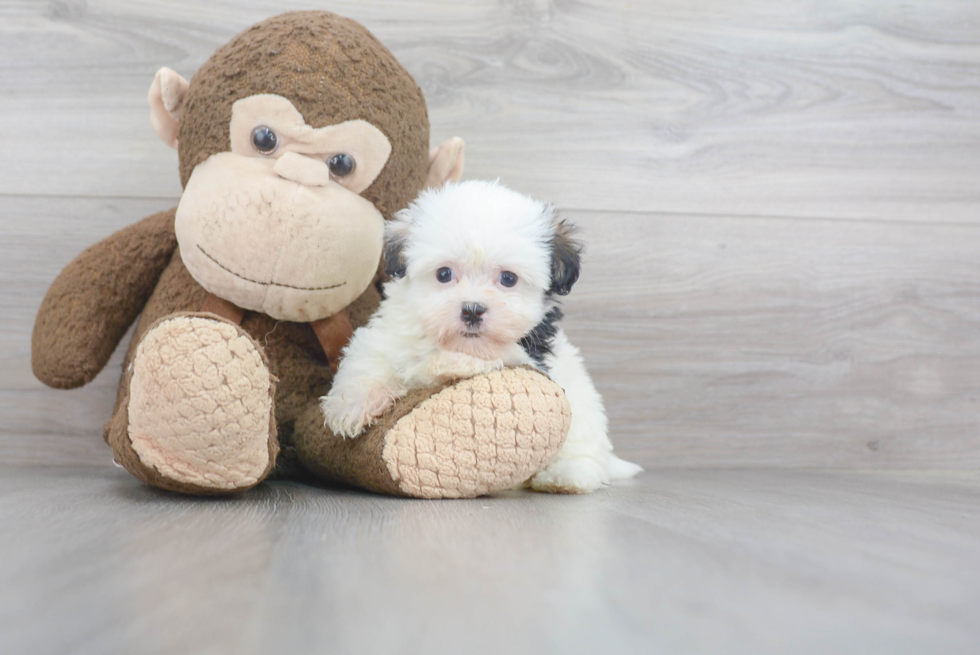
(476,270)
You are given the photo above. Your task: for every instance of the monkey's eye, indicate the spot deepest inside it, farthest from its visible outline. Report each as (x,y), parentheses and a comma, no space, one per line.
(264,140)
(341,165)
(444,275)
(508,279)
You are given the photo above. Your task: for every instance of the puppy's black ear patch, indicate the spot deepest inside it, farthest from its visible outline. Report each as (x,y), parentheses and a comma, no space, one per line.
(566,258)
(395,266)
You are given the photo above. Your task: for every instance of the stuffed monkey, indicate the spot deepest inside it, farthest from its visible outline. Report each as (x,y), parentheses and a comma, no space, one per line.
(296,141)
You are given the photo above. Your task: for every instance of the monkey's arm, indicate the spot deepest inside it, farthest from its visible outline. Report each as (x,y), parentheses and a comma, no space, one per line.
(95,299)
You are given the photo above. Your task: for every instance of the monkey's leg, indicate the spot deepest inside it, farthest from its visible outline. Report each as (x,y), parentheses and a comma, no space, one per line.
(199,414)
(468,439)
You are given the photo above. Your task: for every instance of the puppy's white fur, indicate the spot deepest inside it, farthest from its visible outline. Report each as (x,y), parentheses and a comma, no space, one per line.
(419,336)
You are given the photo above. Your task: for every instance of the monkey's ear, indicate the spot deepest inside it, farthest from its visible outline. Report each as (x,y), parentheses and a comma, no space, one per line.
(446,162)
(566,258)
(167,94)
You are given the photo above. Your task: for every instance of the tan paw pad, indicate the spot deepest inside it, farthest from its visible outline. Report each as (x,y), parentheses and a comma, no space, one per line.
(200,404)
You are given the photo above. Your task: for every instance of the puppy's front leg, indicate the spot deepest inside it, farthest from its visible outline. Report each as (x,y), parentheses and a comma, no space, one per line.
(364,387)
(349,408)
(447,364)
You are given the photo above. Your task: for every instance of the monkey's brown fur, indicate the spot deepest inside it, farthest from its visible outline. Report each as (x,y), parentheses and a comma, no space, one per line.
(333,70)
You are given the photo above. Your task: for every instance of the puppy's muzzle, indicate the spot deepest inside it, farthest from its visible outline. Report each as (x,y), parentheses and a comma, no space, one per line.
(472,313)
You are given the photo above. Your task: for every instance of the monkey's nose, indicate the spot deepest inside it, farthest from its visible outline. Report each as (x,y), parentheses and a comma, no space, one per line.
(473,313)
(303,170)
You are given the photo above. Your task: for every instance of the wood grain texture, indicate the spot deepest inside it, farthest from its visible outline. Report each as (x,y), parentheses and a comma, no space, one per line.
(802,108)
(779,200)
(729,562)
(715,341)
(783,218)
(763,342)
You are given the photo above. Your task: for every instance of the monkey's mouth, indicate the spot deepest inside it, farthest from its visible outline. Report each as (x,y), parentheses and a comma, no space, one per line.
(267,284)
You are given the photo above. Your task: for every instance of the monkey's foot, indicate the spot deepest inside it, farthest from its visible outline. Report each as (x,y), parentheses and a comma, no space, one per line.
(478,436)
(201,407)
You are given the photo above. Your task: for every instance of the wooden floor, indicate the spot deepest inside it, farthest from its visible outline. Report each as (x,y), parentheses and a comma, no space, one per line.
(752,561)
(782,206)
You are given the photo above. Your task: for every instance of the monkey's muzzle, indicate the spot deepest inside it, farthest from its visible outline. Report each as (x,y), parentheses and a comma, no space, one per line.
(286,242)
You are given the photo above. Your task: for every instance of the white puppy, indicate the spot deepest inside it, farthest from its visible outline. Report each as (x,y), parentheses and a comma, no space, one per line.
(476,270)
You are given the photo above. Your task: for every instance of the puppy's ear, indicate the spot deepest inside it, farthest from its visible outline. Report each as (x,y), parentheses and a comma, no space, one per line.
(396,237)
(394,263)
(566,258)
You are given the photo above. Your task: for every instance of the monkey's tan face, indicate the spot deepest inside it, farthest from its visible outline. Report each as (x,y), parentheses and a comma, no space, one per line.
(277,225)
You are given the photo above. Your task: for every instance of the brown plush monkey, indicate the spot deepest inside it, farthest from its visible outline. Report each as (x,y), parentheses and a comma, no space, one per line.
(296,140)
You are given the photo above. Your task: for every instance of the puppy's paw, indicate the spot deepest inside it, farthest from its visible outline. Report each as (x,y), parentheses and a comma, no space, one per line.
(570,476)
(341,417)
(347,414)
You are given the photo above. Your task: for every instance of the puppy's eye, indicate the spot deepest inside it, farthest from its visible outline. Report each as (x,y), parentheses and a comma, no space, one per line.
(341,165)
(508,279)
(444,275)
(264,140)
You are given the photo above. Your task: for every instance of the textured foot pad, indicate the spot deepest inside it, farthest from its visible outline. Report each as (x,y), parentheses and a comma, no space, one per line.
(485,434)
(201,404)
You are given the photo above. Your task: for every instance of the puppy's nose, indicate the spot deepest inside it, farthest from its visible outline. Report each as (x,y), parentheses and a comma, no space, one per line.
(473,313)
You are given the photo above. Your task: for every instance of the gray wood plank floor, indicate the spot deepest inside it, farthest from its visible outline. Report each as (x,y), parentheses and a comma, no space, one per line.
(727,562)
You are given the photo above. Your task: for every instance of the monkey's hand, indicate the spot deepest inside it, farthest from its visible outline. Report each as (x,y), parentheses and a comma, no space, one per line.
(447,365)
(96,298)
